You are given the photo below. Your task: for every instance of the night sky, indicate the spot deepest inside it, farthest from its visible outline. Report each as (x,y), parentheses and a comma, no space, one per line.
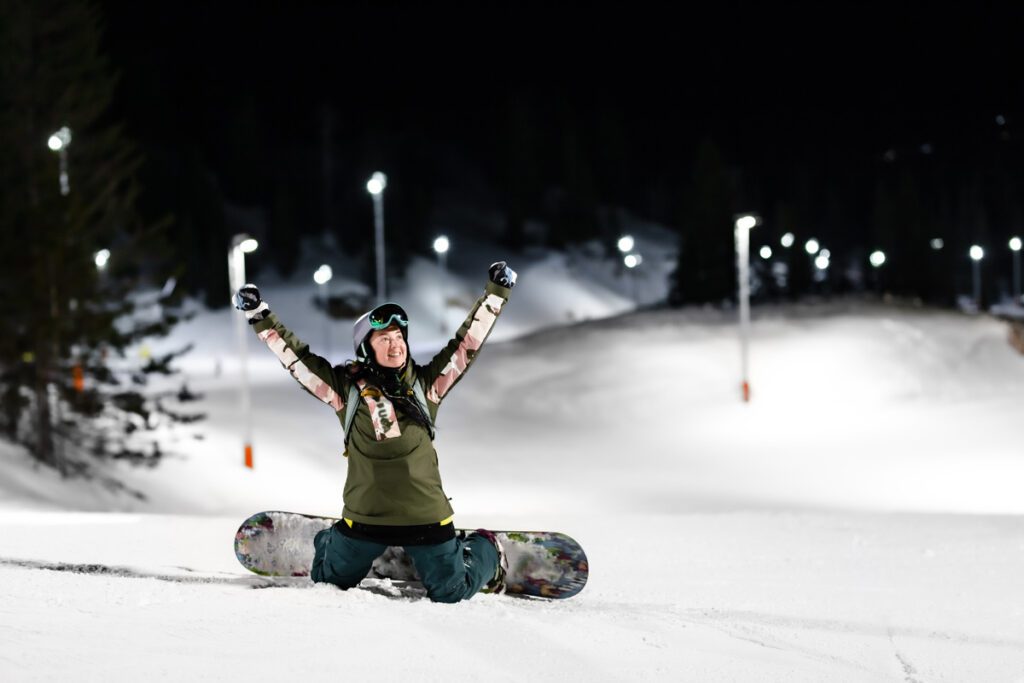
(803,78)
(427,94)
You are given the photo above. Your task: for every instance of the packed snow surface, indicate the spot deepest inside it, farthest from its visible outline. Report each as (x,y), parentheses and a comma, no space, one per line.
(858,520)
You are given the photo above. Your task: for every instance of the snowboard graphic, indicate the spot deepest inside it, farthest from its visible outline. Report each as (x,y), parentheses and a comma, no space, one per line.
(541,564)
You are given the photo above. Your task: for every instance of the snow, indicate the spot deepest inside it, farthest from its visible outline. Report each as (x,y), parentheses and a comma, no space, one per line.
(859,520)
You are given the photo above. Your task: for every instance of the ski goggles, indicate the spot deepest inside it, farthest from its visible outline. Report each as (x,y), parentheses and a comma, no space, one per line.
(384,315)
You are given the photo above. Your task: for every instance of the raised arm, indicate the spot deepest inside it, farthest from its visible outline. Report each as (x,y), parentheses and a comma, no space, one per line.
(314,373)
(451,363)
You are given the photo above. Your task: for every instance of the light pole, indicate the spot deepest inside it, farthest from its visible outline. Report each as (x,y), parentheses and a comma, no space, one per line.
(376,186)
(977,253)
(632,261)
(744,224)
(787,241)
(877,259)
(625,245)
(1015,245)
(242,244)
(823,260)
(441,246)
(100,258)
(322,276)
(766,254)
(59,142)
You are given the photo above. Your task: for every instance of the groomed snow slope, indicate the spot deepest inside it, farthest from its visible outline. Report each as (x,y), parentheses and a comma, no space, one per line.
(859,520)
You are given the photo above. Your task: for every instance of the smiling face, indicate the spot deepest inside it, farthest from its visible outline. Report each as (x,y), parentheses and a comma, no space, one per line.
(389,347)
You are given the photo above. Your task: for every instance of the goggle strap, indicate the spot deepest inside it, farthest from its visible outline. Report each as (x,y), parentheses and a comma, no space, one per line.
(384,325)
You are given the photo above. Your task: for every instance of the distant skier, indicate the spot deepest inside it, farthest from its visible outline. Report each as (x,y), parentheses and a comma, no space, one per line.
(393,493)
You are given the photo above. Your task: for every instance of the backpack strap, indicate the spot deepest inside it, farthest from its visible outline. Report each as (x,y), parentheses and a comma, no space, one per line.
(421,398)
(352,406)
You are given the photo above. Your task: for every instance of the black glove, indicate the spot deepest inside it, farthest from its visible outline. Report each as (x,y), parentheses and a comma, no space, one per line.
(501,274)
(248,298)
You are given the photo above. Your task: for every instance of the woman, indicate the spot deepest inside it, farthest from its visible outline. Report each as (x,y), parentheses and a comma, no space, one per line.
(387,405)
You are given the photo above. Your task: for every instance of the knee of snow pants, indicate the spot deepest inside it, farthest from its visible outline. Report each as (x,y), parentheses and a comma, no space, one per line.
(454,570)
(341,560)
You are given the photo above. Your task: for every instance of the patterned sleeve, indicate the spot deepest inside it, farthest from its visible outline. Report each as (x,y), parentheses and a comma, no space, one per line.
(451,363)
(314,373)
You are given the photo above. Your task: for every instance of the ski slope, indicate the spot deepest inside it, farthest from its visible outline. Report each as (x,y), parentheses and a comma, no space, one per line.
(859,520)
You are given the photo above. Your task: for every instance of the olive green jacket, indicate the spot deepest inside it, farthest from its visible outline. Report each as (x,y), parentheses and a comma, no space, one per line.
(393,476)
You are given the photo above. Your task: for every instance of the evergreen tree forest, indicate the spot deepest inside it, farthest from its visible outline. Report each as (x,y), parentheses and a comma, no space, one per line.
(556,174)
(78,280)
(529,152)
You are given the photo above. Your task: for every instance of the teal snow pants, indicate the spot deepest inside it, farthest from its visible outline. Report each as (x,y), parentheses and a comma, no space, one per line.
(451,571)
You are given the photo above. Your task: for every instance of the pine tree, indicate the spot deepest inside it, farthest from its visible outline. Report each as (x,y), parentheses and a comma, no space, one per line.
(706,270)
(67,390)
(520,171)
(283,236)
(575,218)
(898,229)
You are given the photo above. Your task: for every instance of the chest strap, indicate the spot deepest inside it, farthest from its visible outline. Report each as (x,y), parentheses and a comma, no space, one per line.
(352,407)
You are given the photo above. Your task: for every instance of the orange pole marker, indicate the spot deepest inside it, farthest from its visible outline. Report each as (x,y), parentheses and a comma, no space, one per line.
(248,456)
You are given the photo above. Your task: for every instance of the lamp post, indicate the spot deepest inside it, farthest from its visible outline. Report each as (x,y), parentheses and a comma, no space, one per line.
(59,142)
(625,245)
(242,244)
(376,186)
(877,260)
(441,246)
(322,276)
(1015,245)
(632,261)
(977,253)
(823,260)
(744,224)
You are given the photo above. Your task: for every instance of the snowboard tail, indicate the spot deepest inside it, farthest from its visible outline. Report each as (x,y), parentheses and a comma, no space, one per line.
(541,564)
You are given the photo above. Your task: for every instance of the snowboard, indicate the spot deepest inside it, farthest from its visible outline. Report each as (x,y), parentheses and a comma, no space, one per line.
(541,564)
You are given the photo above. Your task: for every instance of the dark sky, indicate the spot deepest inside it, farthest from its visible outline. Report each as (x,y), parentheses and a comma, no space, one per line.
(801,81)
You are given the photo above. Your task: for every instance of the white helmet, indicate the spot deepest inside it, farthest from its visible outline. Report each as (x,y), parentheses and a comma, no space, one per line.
(380,318)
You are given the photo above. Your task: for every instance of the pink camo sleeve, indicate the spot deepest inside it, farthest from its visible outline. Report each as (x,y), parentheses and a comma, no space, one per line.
(300,370)
(459,360)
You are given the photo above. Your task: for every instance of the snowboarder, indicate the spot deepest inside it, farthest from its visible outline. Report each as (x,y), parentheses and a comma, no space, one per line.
(387,404)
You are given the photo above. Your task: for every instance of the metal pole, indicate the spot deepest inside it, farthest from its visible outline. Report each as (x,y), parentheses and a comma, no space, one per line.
(442,259)
(65,183)
(1017,276)
(327,320)
(977,284)
(378,219)
(236,271)
(743,258)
